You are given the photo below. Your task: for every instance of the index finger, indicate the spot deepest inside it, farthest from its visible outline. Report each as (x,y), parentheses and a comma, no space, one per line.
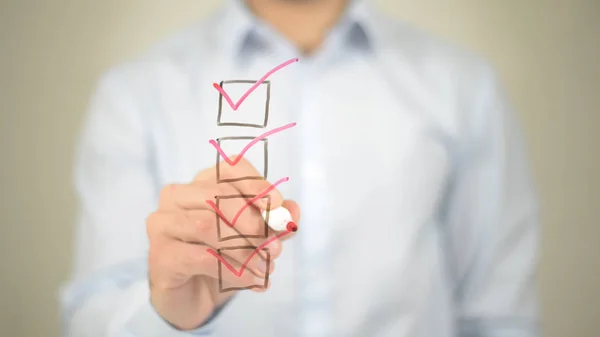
(244,177)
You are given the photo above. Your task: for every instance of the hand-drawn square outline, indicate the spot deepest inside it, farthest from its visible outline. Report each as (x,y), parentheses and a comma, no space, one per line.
(251,125)
(220,269)
(265,222)
(265,155)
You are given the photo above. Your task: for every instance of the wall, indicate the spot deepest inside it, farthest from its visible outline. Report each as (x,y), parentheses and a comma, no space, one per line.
(52,51)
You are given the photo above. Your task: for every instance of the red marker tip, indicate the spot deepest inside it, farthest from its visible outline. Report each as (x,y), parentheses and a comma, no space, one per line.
(216,86)
(292,227)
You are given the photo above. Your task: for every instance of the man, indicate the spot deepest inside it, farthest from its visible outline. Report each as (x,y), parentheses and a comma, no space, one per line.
(418,214)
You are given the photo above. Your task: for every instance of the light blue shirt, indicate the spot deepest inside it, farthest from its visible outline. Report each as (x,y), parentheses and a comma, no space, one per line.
(418,212)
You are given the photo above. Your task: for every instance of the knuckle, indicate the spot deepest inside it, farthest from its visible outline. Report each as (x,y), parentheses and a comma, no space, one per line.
(276,199)
(166,192)
(202,184)
(246,165)
(241,168)
(207,189)
(195,261)
(204,223)
(180,220)
(155,258)
(275,248)
(162,256)
(192,224)
(152,225)
(186,263)
(226,171)
(203,259)
(158,281)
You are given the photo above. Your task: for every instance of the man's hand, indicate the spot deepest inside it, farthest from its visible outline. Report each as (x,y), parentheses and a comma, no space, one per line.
(183,274)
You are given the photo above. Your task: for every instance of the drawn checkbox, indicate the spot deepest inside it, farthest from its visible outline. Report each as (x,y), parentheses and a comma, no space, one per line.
(254,112)
(257,155)
(223,262)
(226,229)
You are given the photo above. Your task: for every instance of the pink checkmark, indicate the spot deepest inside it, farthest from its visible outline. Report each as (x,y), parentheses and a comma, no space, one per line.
(247,147)
(241,271)
(248,203)
(235,106)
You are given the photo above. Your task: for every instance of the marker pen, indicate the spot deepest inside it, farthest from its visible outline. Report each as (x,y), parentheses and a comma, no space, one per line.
(280,219)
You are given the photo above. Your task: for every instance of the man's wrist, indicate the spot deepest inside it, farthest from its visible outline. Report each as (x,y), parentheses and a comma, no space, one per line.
(145,320)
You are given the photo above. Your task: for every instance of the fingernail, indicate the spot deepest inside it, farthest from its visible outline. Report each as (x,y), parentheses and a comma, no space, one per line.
(262,266)
(259,281)
(263,204)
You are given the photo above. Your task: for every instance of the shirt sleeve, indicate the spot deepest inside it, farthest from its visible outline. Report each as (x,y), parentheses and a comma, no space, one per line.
(116,186)
(491,221)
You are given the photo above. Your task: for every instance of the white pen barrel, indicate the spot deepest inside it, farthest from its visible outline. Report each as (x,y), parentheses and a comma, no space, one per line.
(279,219)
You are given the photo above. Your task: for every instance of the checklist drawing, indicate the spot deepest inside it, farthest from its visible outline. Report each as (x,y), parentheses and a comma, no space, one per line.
(229,209)
(259,123)
(227,161)
(249,203)
(217,144)
(235,106)
(225,230)
(223,261)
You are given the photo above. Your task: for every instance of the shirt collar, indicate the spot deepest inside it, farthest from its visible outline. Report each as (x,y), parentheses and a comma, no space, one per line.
(241,34)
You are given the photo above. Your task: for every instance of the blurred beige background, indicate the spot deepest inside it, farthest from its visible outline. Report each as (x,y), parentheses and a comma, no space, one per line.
(52,51)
